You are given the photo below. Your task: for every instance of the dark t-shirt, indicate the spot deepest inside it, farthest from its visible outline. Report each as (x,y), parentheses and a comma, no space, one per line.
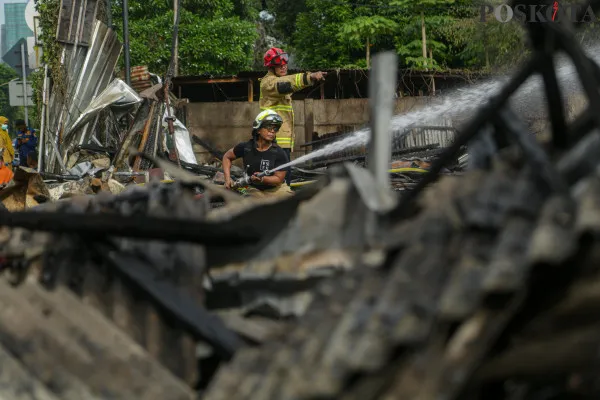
(259,161)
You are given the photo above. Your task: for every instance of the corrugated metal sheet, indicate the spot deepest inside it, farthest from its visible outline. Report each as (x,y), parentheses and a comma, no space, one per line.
(88,72)
(140,78)
(437,133)
(76,21)
(96,72)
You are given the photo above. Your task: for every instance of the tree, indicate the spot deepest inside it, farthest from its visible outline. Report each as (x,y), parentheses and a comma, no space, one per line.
(211,39)
(367,28)
(316,37)
(12,113)
(424,13)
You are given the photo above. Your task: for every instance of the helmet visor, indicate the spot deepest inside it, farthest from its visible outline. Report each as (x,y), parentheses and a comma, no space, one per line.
(271,126)
(280,59)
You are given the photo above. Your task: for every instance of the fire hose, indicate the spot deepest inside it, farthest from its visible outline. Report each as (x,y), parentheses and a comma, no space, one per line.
(245,180)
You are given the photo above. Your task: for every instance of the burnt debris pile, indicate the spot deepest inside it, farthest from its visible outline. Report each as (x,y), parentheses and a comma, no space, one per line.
(479,286)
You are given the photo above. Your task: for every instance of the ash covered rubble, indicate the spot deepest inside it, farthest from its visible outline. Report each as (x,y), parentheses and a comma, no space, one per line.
(486,285)
(491,293)
(479,286)
(179,279)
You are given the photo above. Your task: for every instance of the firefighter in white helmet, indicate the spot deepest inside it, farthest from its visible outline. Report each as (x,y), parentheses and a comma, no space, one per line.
(260,154)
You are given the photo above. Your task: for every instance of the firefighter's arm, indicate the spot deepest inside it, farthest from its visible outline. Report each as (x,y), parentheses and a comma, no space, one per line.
(283,85)
(228,157)
(276,179)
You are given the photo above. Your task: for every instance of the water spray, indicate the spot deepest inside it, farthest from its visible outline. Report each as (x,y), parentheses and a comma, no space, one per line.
(454,104)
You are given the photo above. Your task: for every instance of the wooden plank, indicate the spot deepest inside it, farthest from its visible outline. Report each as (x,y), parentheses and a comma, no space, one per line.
(555,356)
(31,342)
(112,352)
(146,133)
(16,383)
(309,121)
(509,266)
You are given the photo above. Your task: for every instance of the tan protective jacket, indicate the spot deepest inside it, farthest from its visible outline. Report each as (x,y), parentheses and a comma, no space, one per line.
(276,94)
(6,144)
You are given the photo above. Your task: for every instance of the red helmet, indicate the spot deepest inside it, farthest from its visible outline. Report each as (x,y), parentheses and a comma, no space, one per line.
(275,57)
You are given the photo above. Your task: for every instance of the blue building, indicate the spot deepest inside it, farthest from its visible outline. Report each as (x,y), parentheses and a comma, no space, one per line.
(15,27)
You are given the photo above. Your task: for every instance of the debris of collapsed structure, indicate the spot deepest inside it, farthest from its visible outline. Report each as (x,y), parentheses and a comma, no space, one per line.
(479,286)
(83,112)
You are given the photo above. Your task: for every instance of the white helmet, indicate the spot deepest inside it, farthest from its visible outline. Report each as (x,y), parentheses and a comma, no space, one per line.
(267,116)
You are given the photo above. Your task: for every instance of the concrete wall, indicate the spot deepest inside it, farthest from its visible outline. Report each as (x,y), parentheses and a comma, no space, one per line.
(225,124)
(540,125)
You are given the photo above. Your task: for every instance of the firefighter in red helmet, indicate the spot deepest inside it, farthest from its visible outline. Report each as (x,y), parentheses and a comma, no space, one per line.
(276,90)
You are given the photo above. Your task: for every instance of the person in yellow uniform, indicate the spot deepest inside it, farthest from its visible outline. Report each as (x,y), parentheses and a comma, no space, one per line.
(6,174)
(6,143)
(276,90)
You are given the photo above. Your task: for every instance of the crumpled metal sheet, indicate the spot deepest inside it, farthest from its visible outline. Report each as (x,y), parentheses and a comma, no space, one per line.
(86,78)
(376,198)
(99,160)
(182,140)
(118,96)
(276,306)
(71,188)
(81,168)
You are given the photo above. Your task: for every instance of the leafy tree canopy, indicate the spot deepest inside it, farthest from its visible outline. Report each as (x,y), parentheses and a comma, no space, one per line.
(226,36)
(12,113)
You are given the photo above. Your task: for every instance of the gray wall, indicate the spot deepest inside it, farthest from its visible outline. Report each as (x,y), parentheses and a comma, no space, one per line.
(225,124)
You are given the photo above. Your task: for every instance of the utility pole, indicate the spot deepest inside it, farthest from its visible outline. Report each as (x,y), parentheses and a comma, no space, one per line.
(175,40)
(109,14)
(24,70)
(126,42)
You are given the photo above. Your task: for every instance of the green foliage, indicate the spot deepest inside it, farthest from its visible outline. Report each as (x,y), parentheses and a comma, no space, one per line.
(366,27)
(218,46)
(286,14)
(145,9)
(316,37)
(211,39)
(12,113)
(226,36)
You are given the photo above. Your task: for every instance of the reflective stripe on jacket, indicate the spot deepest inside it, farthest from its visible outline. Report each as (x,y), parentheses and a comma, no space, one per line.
(276,94)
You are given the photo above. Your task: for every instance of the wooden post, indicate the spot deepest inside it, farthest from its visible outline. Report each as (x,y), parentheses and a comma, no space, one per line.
(322,91)
(175,41)
(309,122)
(250,90)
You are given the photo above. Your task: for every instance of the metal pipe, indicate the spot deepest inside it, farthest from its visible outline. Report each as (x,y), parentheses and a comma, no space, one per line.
(175,38)
(24,70)
(382,84)
(166,86)
(43,126)
(109,14)
(126,42)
